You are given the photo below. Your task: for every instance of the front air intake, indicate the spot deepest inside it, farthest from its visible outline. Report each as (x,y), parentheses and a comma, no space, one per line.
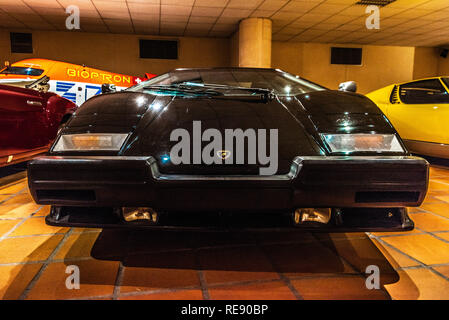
(66,195)
(394,98)
(394,196)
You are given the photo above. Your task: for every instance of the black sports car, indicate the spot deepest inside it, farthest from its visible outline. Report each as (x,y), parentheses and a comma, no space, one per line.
(229,148)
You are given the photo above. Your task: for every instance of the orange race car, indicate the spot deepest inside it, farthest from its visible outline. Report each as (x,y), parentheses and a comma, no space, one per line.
(71,81)
(39,97)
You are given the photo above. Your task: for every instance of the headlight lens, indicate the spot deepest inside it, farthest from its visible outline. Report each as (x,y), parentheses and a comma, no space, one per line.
(90,141)
(344,143)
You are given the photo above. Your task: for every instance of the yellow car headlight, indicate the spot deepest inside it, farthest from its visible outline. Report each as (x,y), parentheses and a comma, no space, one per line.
(360,142)
(90,141)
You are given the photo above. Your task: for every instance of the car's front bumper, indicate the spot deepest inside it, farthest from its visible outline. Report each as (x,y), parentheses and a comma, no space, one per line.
(324,182)
(99,184)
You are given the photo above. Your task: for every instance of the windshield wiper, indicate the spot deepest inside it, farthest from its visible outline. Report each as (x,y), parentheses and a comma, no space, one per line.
(267,94)
(176,88)
(216,90)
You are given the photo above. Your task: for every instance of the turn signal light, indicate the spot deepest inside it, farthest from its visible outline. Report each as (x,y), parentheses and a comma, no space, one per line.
(361,142)
(90,141)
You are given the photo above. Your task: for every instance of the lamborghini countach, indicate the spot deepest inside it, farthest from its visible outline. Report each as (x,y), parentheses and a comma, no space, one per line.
(229,148)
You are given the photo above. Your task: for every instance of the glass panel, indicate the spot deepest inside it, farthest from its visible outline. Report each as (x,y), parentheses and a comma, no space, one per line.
(282,83)
(22,71)
(423,92)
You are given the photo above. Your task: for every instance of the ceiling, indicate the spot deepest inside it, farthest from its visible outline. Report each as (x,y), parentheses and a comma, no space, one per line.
(403,22)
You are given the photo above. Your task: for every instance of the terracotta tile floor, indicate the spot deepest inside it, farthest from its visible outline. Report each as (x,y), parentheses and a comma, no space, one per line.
(121,264)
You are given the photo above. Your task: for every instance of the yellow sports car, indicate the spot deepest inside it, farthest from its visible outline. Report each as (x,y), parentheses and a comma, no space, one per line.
(419,110)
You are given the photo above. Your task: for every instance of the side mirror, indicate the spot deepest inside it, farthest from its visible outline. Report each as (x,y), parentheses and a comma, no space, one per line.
(108,88)
(349,86)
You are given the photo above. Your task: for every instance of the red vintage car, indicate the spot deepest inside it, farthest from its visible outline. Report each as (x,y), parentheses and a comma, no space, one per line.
(29,122)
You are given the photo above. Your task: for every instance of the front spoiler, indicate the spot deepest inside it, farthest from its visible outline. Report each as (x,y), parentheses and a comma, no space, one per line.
(313,182)
(346,220)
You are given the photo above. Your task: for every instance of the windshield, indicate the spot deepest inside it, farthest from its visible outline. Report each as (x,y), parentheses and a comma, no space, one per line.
(281,83)
(24,71)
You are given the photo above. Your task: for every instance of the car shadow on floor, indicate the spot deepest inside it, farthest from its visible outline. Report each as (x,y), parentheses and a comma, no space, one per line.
(303,258)
(290,252)
(295,255)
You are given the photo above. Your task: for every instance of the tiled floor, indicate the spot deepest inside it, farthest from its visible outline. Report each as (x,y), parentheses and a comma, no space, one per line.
(117,264)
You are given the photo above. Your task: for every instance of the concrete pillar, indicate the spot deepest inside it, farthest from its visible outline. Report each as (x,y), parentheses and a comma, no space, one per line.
(255,43)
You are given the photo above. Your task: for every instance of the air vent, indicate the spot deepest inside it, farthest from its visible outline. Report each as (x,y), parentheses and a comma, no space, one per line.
(21,42)
(394,98)
(158,49)
(349,56)
(380,3)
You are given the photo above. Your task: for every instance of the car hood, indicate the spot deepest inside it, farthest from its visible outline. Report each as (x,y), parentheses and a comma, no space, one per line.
(150,121)
(342,112)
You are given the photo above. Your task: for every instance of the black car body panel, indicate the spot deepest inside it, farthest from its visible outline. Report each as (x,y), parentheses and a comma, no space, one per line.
(299,119)
(308,174)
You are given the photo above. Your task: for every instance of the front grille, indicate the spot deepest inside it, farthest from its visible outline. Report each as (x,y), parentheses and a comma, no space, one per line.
(221,169)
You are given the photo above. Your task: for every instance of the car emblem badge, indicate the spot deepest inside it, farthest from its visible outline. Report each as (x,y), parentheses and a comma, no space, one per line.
(224,154)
